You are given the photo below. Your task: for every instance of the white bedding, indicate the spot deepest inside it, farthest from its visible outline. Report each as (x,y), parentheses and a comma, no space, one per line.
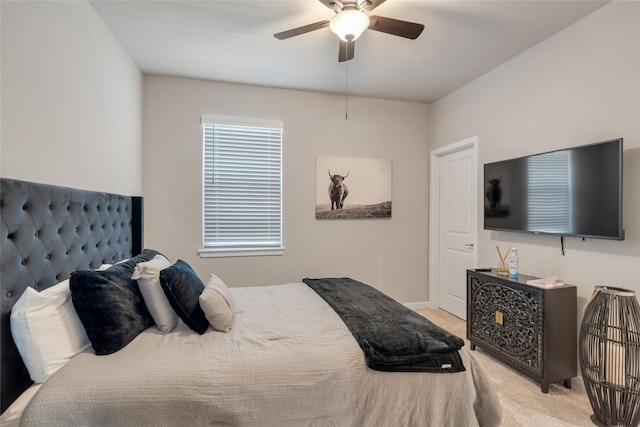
(288,361)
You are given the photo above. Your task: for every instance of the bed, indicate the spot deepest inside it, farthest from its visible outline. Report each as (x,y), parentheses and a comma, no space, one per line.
(287,359)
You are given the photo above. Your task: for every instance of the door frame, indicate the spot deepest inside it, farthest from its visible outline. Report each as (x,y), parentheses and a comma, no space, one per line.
(434,210)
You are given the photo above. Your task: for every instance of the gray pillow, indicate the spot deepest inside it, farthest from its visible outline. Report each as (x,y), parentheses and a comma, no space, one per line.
(183,287)
(110,305)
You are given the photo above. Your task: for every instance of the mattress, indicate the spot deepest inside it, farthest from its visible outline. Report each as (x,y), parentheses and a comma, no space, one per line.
(289,360)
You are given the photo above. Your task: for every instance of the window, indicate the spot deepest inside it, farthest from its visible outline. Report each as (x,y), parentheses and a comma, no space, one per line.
(242,187)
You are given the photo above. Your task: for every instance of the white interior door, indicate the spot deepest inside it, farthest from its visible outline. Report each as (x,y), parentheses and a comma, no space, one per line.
(456,227)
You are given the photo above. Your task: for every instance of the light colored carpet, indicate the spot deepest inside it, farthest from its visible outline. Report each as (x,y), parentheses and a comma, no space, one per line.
(523,403)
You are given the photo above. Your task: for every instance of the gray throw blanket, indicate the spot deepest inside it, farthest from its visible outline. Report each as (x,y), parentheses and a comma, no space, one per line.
(393,337)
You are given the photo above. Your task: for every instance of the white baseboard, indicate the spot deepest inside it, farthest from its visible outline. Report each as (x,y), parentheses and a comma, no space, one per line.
(417,305)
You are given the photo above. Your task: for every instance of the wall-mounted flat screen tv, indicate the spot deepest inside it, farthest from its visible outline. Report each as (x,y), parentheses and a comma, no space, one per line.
(571,192)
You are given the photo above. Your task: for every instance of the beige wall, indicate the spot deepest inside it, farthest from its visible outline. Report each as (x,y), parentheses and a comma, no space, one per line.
(580,86)
(72,115)
(71,99)
(388,254)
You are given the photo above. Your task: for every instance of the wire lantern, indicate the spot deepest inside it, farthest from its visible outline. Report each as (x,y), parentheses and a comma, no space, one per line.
(609,352)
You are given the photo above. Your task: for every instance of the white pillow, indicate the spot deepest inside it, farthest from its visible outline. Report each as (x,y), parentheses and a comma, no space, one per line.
(217,303)
(148,276)
(47,330)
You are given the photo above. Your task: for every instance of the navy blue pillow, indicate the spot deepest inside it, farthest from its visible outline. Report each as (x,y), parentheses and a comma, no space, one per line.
(110,305)
(183,287)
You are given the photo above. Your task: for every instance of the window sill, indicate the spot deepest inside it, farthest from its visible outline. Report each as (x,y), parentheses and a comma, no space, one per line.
(227,253)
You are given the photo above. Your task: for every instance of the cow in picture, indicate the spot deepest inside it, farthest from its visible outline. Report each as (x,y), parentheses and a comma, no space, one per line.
(338,190)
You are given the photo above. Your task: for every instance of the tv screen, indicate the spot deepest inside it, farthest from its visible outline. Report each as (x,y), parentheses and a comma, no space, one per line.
(570,192)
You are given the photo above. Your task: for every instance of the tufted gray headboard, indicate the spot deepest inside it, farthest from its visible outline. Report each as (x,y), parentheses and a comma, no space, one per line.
(46,233)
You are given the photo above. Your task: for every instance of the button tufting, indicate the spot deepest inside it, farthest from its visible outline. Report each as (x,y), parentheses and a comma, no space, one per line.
(9,294)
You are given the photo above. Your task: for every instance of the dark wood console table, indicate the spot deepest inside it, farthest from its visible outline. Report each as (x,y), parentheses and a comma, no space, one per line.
(532,329)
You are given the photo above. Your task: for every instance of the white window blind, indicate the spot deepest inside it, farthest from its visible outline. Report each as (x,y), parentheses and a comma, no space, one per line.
(242,197)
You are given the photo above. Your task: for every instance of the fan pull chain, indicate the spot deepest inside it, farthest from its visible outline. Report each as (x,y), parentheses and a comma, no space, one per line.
(346,86)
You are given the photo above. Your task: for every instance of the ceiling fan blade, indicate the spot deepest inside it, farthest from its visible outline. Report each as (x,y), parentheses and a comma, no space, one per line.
(301,30)
(331,4)
(395,27)
(346,50)
(369,5)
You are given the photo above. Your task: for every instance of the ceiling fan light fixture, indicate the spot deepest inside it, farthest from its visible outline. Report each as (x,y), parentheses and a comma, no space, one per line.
(349,24)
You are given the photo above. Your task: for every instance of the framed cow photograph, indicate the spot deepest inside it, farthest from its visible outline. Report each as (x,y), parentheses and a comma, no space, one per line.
(353,188)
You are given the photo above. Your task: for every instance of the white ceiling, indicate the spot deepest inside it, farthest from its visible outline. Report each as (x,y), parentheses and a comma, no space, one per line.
(232,41)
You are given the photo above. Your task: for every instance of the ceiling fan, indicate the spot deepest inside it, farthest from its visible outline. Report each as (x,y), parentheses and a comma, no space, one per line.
(351,20)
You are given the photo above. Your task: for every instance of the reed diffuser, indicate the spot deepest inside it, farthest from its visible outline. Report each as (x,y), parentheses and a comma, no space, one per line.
(502,266)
